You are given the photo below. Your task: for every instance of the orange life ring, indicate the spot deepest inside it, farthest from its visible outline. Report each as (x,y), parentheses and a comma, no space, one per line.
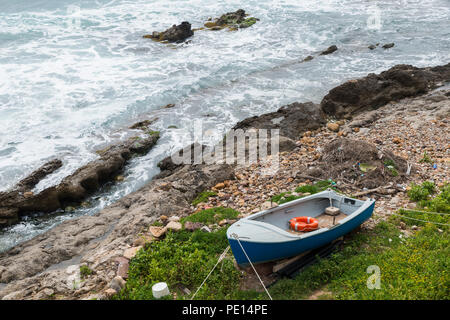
(304,224)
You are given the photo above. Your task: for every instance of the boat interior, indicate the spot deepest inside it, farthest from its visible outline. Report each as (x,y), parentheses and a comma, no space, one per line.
(315,208)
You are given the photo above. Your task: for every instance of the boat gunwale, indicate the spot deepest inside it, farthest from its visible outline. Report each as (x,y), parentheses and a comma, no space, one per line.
(250,220)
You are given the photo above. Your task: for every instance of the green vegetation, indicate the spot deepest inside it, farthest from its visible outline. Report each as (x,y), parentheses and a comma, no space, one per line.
(412,264)
(203,197)
(391,166)
(213,215)
(308,188)
(426,158)
(183,260)
(411,268)
(390,163)
(153,133)
(157,223)
(284,197)
(421,192)
(85,271)
(247,22)
(422,195)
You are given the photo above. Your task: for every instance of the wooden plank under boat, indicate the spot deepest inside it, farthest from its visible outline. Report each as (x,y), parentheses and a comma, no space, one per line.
(266,236)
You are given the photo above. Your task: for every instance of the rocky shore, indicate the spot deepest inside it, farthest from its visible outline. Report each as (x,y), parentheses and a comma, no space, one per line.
(386,122)
(74,188)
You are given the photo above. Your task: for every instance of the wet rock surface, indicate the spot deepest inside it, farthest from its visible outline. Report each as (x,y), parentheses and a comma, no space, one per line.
(176,33)
(292,120)
(374,90)
(330,50)
(233,20)
(75,187)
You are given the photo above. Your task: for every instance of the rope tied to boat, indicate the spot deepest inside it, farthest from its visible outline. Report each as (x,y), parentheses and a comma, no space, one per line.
(222,256)
(235,236)
(426,221)
(421,220)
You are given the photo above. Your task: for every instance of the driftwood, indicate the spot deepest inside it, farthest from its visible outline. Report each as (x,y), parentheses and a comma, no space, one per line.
(363,193)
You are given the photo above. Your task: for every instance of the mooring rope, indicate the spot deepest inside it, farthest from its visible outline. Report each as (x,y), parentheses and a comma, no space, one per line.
(421,211)
(426,221)
(262,283)
(218,261)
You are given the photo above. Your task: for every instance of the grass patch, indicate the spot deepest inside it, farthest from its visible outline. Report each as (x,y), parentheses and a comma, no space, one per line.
(426,158)
(421,192)
(85,271)
(184,259)
(157,223)
(412,268)
(213,215)
(153,133)
(203,197)
(308,188)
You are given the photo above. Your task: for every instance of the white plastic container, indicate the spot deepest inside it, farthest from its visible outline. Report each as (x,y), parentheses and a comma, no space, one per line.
(160,290)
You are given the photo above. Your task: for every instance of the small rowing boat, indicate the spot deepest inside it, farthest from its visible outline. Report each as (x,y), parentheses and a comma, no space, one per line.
(274,234)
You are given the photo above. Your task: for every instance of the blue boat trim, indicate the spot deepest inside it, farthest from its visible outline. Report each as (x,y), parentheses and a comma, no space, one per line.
(259,252)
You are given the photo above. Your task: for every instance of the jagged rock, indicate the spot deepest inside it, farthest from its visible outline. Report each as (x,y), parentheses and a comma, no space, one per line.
(292,120)
(176,33)
(330,50)
(233,20)
(388,45)
(374,90)
(144,124)
(168,166)
(73,188)
(33,179)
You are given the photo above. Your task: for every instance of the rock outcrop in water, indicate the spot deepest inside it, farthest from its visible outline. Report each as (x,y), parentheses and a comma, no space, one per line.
(375,90)
(176,33)
(75,187)
(329,50)
(232,20)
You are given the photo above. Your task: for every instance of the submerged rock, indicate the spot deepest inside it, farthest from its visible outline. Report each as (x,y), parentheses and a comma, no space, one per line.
(330,50)
(173,34)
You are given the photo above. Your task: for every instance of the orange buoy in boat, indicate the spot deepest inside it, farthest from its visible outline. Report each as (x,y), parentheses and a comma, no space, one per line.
(304,224)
